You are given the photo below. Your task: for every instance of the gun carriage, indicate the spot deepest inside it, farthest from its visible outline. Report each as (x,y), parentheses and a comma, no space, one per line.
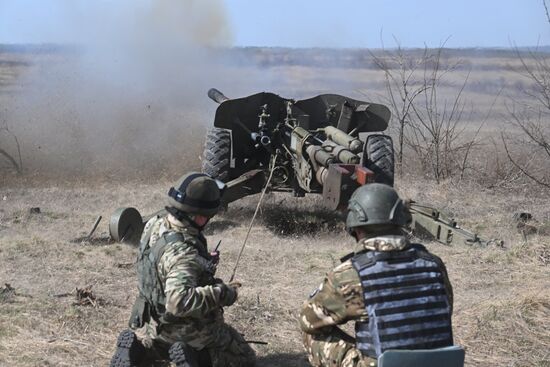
(328,145)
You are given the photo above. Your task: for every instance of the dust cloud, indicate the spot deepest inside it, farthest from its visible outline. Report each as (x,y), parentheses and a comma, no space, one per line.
(129,99)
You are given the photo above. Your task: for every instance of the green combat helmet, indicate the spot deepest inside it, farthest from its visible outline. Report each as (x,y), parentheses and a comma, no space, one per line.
(196,194)
(376,206)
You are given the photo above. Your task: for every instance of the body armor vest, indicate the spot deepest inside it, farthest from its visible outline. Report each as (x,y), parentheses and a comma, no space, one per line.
(151,287)
(149,283)
(406,300)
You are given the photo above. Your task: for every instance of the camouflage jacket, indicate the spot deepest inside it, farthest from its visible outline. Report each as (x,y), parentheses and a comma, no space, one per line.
(193,305)
(339,298)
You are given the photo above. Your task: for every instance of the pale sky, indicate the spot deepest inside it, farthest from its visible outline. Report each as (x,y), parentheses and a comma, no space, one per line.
(309,23)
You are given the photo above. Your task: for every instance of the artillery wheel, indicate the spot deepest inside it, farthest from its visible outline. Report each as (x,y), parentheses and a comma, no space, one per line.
(216,159)
(126,225)
(379,158)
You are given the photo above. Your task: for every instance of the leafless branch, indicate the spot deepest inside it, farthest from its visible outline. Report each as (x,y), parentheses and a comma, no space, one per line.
(401,86)
(531,116)
(521,168)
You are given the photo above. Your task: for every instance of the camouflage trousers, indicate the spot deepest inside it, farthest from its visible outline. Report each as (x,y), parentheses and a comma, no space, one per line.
(227,349)
(330,350)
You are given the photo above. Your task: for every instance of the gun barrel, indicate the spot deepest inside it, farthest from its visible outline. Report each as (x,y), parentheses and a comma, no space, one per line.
(217,96)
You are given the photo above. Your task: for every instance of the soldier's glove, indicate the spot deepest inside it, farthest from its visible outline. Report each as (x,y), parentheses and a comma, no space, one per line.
(228,294)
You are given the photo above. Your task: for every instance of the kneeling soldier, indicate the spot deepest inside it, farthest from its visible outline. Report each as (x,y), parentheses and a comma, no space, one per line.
(179,310)
(397,293)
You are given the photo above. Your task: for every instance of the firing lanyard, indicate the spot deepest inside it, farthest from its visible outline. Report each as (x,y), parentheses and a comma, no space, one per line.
(254,217)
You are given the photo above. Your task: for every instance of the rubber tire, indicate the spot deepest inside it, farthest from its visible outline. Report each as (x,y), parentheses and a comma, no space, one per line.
(379,158)
(216,158)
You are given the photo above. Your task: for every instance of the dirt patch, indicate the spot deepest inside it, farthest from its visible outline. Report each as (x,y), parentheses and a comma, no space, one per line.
(301,222)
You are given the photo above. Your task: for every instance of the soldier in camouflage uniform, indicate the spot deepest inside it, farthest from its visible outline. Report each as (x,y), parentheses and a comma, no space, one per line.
(179,309)
(397,293)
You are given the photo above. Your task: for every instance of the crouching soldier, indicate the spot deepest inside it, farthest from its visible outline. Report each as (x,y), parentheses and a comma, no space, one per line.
(179,310)
(397,293)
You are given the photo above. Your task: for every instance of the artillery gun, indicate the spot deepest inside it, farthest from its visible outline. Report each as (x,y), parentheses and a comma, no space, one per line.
(328,145)
(311,145)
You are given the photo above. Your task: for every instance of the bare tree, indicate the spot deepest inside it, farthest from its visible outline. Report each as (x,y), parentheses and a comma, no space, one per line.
(532,119)
(429,124)
(402,87)
(531,116)
(437,133)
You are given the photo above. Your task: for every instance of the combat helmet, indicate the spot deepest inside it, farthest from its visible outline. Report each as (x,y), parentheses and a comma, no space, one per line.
(374,206)
(196,193)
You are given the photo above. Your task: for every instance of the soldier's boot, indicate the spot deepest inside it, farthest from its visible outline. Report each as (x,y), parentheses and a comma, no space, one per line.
(183,356)
(129,351)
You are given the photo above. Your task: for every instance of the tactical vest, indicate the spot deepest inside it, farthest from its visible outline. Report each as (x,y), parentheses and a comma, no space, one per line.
(151,287)
(406,300)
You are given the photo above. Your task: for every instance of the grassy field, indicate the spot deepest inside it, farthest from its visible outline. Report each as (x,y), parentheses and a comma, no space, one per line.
(502,302)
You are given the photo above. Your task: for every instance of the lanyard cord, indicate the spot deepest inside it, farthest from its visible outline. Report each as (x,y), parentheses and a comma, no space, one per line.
(253,217)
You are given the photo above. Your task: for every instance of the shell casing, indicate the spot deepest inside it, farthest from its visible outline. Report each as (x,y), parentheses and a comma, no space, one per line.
(341,138)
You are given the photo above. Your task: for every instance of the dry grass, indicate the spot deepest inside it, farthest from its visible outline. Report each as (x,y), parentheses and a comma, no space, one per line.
(502,312)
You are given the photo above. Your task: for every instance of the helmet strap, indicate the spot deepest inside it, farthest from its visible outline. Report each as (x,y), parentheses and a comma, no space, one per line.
(182,216)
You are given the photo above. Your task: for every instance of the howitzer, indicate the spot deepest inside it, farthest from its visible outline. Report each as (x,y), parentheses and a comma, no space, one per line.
(318,149)
(315,141)
(310,146)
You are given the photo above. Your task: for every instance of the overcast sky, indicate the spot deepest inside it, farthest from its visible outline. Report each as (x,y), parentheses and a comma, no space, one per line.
(311,23)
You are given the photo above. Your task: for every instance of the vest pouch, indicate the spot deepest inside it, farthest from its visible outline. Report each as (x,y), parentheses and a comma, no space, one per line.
(141,313)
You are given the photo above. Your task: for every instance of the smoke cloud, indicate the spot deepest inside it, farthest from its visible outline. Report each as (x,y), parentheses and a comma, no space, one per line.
(130,99)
